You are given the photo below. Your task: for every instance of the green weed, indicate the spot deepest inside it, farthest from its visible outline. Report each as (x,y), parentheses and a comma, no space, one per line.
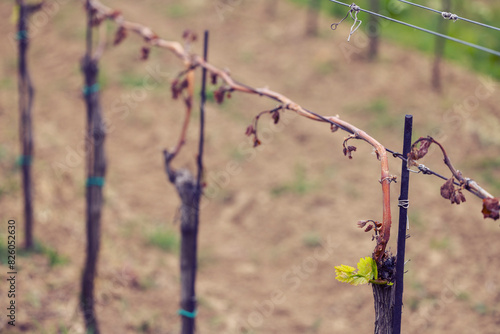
(165,239)
(176,11)
(311,240)
(300,185)
(55,259)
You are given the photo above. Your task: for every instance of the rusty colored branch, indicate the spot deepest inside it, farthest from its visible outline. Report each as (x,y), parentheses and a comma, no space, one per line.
(194,61)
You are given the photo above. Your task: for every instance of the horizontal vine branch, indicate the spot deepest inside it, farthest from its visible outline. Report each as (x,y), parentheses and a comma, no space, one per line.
(491,205)
(192,61)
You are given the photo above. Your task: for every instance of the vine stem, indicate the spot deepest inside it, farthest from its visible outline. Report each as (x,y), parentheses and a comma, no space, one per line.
(470,185)
(197,61)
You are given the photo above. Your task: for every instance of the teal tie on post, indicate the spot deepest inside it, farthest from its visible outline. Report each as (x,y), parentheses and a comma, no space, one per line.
(22,34)
(187,314)
(24,160)
(87,90)
(95,181)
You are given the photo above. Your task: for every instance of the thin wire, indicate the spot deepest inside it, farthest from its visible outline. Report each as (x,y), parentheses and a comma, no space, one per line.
(421,168)
(475,46)
(456,17)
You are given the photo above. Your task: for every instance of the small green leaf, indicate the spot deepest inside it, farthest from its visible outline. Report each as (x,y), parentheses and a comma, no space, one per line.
(365,267)
(359,280)
(367,272)
(344,273)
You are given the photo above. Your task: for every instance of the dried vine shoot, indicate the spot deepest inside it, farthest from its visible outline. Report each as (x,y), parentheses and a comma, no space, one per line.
(229,85)
(453,187)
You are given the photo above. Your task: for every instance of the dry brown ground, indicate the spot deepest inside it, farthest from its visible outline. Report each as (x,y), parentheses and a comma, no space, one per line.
(278,226)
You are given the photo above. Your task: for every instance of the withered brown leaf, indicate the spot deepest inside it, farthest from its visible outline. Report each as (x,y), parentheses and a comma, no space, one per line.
(448,188)
(250,130)
(175,89)
(491,208)
(419,153)
(348,151)
(213,78)
(276,117)
(145,52)
(120,35)
(219,95)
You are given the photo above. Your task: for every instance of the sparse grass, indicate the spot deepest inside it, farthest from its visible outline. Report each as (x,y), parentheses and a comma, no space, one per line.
(146,283)
(474,59)
(325,67)
(129,79)
(55,259)
(165,239)
(10,185)
(415,218)
(176,11)
(481,308)
(311,240)
(440,243)
(300,185)
(380,117)
(205,258)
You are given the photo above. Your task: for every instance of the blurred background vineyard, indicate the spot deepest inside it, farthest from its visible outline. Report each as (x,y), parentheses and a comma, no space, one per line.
(483,11)
(293,197)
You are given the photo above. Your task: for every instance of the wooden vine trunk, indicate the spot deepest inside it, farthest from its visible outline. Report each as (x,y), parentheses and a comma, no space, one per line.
(26,93)
(96,170)
(312,18)
(383,296)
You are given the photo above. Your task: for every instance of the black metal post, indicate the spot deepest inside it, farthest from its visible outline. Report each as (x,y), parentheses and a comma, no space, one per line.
(403,223)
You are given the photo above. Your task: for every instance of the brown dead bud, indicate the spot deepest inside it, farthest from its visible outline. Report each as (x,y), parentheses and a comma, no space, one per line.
(219,95)
(448,189)
(334,128)
(362,223)
(114,14)
(256,142)
(276,116)
(213,78)
(148,38)
(189,36)
(368,228)
(250,130)
(348,151)
(96,20)
(175,89)
(120,35)
(145,52)
(189,102)
(184,84)
(491,208)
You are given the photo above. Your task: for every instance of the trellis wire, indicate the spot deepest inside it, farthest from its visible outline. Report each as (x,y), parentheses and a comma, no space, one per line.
(472,45)
(455,18)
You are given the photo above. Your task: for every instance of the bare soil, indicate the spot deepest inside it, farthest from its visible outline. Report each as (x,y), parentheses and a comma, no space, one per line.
(276,219)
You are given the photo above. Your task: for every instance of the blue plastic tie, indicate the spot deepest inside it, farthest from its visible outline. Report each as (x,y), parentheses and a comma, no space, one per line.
(87,90)
(95,181)
(187,314)
(22,34)
(24,160)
